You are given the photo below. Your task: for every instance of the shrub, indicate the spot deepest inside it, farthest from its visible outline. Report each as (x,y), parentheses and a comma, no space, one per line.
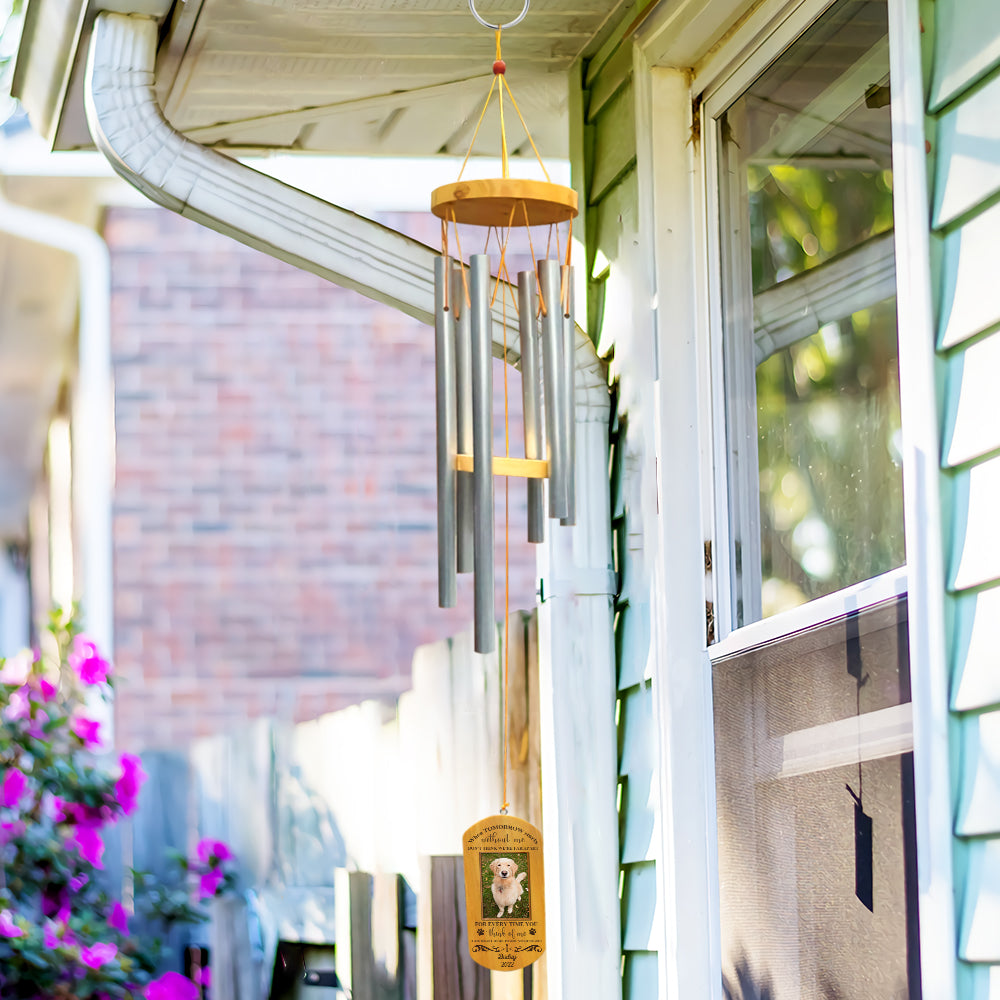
(62,935)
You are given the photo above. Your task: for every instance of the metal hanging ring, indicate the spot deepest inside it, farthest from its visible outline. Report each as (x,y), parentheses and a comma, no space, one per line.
(499,27)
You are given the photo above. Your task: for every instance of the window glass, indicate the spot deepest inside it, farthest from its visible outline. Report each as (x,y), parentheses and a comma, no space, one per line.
(808,282)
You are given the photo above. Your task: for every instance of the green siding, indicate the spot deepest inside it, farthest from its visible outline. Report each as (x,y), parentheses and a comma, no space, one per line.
(638,793)
(964,120)
(605,176)
(966,47)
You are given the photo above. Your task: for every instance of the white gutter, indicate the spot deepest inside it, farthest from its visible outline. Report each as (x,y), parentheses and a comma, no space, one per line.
(92,417)
(576,641)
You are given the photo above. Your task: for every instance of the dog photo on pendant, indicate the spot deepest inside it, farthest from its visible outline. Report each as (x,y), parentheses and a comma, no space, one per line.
(505,885)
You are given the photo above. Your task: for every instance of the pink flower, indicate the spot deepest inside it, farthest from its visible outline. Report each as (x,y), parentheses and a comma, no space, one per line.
(87,662)
(128,785)
(76,883)
(203,977)
(50,938)
(118,919)
(48,689)
(89,844)
(14,784)
(172,986)
(35,730)
(8,831)
(19,706)
(16,669)
(98,954)
(208,883)
(211,852)
(81,815)
(86,730)
(8,928)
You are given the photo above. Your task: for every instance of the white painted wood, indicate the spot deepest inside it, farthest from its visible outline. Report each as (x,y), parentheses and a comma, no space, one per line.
(92,417)
(978,939)
(967,164)
(976,540)
(966,45)
(922,508)
(735,60)
(679,34)
(970,298)
(862,595)
(884,733)
(973,426)
(577,697)
(977,650)
(688,874)
(978,812)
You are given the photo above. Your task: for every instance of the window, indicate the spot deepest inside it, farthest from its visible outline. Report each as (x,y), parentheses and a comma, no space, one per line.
(809,321)
(811,708)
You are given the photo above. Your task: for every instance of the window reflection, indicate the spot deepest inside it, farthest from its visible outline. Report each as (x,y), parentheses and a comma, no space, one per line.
(811,370)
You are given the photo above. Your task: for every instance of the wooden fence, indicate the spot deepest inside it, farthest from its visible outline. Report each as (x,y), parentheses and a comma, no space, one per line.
(338,823)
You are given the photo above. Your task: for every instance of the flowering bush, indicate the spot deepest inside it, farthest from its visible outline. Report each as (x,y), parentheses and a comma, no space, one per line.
(61,934)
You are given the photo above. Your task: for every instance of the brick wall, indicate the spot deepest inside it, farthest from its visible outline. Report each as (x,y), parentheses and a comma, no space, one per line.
(274,508)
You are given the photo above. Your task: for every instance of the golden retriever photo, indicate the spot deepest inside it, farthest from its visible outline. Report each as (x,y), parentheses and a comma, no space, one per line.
(508,885)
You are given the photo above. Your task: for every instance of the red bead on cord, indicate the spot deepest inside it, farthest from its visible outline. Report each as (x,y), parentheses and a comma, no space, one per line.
(499,67)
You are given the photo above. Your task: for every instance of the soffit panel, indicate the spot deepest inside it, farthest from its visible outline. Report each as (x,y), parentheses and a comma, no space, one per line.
(246,74)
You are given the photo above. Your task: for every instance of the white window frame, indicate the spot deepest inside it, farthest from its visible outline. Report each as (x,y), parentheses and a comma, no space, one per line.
(689,39)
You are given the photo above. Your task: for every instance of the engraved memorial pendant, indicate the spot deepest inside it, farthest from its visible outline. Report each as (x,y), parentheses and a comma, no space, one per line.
(504,892)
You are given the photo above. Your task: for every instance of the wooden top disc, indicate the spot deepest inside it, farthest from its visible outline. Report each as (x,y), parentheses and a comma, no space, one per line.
(489,202)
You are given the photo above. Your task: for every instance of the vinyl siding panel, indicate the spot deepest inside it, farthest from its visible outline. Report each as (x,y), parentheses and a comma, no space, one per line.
(614,144)
(964,108)
(975,544)
(970,292)
(640,975)
(611,197)
(968,167)
(976,645)
(971,430)
(966,46)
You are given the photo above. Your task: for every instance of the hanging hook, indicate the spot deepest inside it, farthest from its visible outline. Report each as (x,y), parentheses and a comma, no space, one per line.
(499,27)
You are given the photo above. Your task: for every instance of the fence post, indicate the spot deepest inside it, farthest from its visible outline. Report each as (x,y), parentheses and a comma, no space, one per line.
(456,975)
(355,963)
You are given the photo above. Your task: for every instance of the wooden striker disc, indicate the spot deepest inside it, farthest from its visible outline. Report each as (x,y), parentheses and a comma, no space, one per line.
(489,202)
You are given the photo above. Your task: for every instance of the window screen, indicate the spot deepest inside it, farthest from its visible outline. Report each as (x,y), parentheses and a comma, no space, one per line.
(815,814)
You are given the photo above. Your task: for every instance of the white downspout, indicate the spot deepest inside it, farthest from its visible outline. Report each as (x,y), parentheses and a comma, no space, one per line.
(576,640)
(92,417)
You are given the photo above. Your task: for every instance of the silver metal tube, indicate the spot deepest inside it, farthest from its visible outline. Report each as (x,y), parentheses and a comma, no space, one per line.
(463,386)
(485,630)
(444,381)
(568,394)
(531,397)
(552,344)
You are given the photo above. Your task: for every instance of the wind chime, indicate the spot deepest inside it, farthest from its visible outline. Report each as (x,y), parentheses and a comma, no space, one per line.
(504,876)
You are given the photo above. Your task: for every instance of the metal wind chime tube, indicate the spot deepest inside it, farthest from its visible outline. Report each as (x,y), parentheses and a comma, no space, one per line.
(567,395)
(482,452)
(553,375)
(463,387)
(531,399)
(467,298)
(447,438)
